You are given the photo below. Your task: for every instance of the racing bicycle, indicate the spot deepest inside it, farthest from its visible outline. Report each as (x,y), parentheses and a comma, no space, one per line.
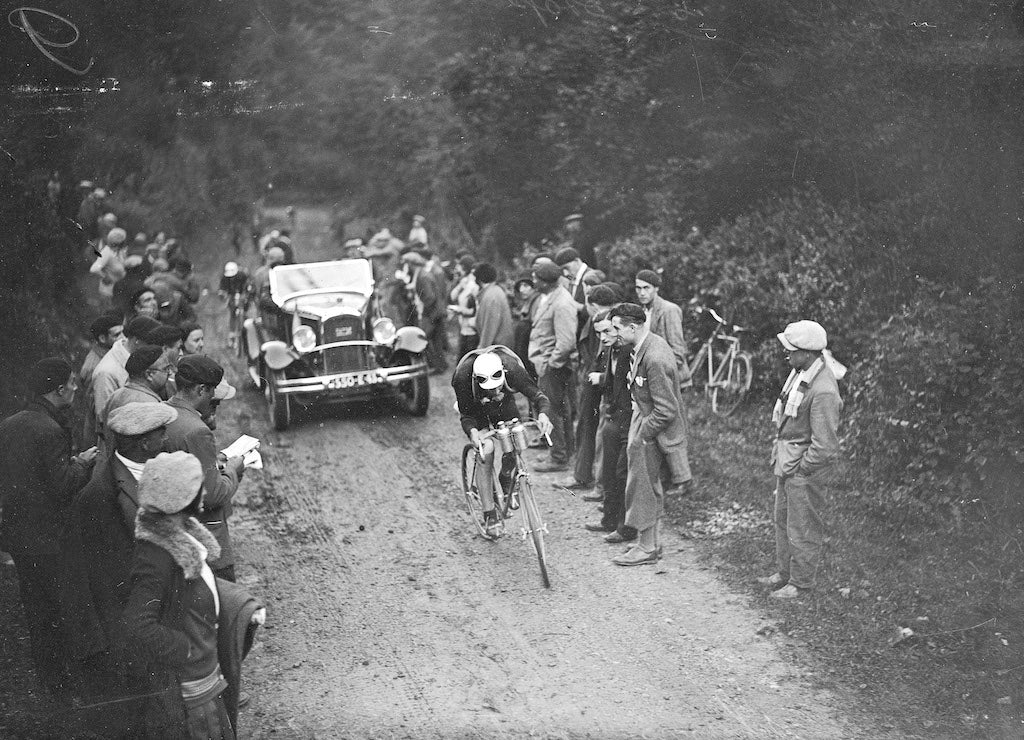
(517,493)
(729,368)
(237,304)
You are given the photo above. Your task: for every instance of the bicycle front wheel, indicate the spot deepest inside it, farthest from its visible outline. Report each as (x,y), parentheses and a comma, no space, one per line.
(469,492)
(727,396)
(534,526)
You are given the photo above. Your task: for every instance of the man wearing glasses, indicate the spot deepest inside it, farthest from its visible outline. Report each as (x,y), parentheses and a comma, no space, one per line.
(148,368)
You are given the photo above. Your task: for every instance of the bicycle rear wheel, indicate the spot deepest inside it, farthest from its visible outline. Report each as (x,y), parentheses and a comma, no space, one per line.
(534,526)
(470,493)
(727,397)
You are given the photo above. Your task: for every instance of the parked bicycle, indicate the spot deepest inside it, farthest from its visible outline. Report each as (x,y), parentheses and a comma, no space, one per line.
(516,494)
(729,369)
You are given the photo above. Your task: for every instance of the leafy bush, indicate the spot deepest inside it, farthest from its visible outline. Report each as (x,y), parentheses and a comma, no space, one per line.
(937,401)
(798,257)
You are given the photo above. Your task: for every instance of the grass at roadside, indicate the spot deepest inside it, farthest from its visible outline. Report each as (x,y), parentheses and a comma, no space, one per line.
(956,588)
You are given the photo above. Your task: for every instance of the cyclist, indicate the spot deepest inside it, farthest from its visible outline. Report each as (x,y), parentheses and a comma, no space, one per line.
(233,290)
(485,382)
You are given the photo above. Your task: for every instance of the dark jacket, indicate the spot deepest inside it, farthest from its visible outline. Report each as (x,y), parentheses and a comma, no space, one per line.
(38,478)
(615,388)
(189,433)
(153,623)
(478,414)
(96,557)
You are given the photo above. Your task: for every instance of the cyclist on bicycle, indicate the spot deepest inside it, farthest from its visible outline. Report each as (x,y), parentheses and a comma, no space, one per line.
(485,382)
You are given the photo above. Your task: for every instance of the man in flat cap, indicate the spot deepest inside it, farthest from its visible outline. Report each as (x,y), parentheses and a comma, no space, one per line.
(97,553)
(430,308)
(806,415)
(201,388)
(148,369)
(553,354)
(665,319)
(38,478)
(574,269)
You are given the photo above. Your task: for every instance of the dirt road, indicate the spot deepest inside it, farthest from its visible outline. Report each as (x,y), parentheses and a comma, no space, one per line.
(388,617)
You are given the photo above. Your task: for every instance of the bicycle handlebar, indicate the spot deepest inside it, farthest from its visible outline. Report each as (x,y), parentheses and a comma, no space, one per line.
(510,424)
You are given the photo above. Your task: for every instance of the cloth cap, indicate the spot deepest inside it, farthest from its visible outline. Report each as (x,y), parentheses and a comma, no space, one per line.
(353,243)
(808,335)
(548,272)
(565,256)
(164,335)
(572,217)
(117,235)
(169,482)
(418,218)
(414,258)
(104,324)
(488,370)
(594,277)
(142,359)
(650,277)
(49,374)
(224,391)
(139,417)
(230,269)
(139,327)
(200,370)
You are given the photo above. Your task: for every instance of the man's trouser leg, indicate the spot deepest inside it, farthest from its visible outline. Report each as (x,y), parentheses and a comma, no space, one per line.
(643,485)
(613,472)
(485,476)
(555,385)
(586,434)
(38,581)
(799,532)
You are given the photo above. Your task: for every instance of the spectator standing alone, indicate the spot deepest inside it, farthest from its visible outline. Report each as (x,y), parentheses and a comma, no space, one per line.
(493,313)
(463,305)
(804,452)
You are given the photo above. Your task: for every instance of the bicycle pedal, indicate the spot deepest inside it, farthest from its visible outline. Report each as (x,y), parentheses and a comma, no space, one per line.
(513,503)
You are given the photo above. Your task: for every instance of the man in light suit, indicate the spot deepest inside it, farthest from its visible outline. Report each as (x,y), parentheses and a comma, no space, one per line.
(665,319)
(553,353)
(655,430)
(805,449)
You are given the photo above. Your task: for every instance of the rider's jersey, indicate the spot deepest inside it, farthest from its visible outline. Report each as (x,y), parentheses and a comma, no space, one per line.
(481,410)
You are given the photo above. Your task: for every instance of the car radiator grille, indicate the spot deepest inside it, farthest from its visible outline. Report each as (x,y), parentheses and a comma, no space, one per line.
(345,359)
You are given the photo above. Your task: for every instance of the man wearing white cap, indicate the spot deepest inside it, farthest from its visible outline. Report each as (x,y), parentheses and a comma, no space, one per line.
(97,551)
(201,388)
(807,417)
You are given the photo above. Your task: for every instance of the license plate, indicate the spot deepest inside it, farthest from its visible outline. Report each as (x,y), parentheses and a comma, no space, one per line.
(354,380)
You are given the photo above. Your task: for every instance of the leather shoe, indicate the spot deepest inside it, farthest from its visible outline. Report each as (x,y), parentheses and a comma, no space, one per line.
(551,467)
(596,527)
(614,538)
(682,489)
(789,591)
(594,496)
(575,485)
(775,580)
(636,556)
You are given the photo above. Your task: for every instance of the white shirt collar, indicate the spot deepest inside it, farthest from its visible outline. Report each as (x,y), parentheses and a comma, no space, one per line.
(133,467)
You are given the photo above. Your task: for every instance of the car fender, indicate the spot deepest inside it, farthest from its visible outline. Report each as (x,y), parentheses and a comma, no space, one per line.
(278,355)
(252,338)
(411,339)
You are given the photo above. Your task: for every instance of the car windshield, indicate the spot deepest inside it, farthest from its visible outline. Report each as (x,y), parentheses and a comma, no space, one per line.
(322,284)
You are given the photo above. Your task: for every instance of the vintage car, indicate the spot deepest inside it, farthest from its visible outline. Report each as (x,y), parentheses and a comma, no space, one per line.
(324,339)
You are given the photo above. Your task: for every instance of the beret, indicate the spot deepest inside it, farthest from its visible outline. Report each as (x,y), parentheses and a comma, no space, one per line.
(199,370)
(565,256)
(594,277)
(650,277)
(137,418)
(169,482)
(104,324)
(139,327)
(164,335)
(808,335)
(141,359)
(548,272)
(603,296)
(49,374)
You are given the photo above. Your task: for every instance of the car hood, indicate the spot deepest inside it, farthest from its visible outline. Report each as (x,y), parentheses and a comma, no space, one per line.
(325,307)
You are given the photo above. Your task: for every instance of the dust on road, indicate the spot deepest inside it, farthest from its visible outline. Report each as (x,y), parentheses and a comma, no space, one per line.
(388,617)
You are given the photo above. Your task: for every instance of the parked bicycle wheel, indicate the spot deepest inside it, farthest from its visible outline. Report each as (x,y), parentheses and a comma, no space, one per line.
(534,525)
(727,396)
(470,493)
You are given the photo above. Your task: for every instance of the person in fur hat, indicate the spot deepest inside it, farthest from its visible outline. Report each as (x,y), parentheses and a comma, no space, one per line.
(175,606)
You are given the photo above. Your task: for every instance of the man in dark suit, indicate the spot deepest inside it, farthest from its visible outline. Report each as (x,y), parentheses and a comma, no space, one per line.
(38,478)
(665,319)
(201,388)
(655,429)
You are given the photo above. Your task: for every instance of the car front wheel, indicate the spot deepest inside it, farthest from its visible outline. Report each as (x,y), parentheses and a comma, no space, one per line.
(414,395)
(278,403)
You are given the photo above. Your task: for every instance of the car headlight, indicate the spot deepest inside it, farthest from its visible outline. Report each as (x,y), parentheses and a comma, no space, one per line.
(384,331)
(304,338)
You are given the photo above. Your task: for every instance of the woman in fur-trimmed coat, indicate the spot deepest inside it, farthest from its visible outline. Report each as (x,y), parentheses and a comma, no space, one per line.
(175,605)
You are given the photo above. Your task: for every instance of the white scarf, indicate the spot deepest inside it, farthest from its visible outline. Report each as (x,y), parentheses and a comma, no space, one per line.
(133,467)
(793,391)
